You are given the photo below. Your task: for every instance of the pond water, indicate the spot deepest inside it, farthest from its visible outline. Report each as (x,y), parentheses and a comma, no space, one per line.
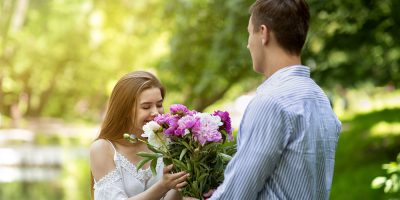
(46,173)
(51,167)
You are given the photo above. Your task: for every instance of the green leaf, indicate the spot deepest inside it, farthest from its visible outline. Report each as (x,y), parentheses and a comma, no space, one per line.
(183,153)
(149,155)
(396,183)
(225,157)
(200,179)
(224,135)
(187,145)
(195,188)
(388,186)
(189,166)
(378,182)
(153,166)
(205,166)
(152,148)
(179,164)
(167,161)
(140,164)
(196,171)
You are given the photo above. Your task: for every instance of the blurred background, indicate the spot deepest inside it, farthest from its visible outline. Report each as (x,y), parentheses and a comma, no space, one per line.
(59,60)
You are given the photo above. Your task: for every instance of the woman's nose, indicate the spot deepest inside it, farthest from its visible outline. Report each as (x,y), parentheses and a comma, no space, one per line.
(153,112)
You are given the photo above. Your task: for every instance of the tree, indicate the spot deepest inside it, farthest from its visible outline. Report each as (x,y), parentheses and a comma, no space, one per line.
(61,56)
(353,42)
(208,53)
(350,42)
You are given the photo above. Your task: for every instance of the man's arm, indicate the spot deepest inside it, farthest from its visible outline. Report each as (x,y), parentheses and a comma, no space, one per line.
(264,133)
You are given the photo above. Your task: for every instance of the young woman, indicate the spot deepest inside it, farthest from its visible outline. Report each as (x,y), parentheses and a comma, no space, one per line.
(136,99)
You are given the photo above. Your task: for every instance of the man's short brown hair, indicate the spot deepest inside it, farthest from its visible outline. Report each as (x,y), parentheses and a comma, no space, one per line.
(288,19)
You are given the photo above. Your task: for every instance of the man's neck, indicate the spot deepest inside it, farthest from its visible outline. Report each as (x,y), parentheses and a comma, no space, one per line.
(280,59)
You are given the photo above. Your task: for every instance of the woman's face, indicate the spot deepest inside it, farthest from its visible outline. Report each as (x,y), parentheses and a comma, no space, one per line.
(149,104)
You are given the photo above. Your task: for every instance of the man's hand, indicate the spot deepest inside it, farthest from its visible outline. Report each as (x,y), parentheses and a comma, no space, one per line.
(209,193)
(189,198)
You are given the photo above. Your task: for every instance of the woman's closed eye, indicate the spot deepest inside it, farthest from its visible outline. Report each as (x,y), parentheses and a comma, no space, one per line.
(146,107)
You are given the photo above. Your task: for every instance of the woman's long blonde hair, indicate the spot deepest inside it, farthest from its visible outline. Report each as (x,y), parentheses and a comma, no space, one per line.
(121,108)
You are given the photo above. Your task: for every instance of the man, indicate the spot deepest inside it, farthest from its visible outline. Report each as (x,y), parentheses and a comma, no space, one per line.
(288,135)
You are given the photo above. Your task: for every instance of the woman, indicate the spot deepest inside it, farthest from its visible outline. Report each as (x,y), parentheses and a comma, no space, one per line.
(135,100)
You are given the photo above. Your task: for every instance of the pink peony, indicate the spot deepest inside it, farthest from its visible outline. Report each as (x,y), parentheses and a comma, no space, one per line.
(207,129)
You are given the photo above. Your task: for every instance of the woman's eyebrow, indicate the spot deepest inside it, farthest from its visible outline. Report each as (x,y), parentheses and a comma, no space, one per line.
(160,101)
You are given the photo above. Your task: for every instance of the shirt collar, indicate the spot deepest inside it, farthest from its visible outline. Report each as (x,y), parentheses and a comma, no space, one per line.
(293,70)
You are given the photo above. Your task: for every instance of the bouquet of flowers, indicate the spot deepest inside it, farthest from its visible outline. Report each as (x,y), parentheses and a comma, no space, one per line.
(192,141)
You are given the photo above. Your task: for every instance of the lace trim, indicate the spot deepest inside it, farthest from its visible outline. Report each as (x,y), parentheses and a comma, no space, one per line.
(108,179)
(143,175)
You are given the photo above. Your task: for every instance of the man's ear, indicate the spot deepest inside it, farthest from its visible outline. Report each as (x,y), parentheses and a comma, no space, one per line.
(264,34)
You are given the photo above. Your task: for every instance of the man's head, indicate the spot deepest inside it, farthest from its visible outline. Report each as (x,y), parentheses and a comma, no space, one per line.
(287,19)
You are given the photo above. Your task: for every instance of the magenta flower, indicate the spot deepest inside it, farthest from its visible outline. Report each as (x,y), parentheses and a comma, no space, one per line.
(172,125)
(192,112)
(168,122)
(178,109)
(162,119)
(227,122)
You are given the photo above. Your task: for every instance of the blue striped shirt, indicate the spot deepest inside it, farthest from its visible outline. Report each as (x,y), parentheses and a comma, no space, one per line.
(286,142)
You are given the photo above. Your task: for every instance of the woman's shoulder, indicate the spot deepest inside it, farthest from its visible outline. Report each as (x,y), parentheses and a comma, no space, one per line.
(102,145)
(101,148)
(101,158)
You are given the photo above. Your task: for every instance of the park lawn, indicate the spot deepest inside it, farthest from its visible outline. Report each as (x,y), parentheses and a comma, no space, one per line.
(360,155)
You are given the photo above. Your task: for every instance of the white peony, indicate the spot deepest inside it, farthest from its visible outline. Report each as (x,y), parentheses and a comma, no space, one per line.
(149,128)
(206,118)
(151,132)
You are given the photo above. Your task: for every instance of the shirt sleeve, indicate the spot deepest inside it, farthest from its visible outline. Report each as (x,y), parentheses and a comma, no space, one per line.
(263,135)
(110,187)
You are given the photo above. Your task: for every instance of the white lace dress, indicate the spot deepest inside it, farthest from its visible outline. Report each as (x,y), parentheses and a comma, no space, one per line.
(125,181)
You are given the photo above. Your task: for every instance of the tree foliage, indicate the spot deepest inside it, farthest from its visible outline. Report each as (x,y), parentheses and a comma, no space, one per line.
(59,58)
(208,53)
(350,42)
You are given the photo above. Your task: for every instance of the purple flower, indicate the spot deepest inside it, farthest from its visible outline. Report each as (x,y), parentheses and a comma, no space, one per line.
(162,119)
(168,122)
(227,122)
(192,112)
(178,109)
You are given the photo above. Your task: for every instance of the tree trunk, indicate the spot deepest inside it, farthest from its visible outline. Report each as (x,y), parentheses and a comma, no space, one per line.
(200,104)
(19,15)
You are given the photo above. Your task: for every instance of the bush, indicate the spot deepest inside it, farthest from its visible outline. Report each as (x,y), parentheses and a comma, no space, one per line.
(391,182)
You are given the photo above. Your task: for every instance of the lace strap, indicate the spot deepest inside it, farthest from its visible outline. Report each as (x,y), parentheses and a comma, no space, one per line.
(115,151)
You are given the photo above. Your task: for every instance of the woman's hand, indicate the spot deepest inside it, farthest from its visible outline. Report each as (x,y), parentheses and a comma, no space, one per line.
(173,181)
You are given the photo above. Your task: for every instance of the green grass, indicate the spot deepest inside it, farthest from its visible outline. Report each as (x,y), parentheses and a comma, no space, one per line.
(360,155)
(31,190)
